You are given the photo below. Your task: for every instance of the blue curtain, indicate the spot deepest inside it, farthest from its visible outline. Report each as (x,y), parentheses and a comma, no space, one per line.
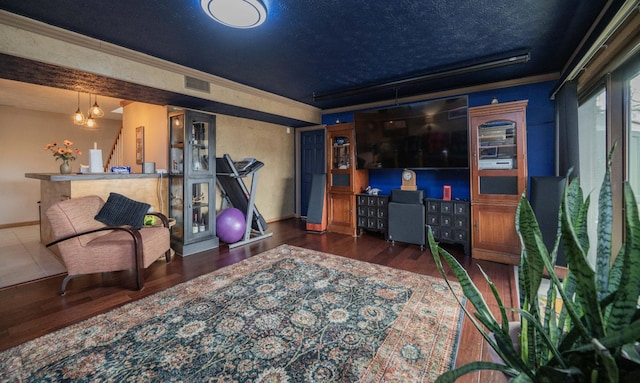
(567,129)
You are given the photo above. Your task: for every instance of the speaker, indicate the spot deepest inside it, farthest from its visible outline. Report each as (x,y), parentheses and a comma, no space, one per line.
(545,196)
(316,212)
(407,223)
(407,196)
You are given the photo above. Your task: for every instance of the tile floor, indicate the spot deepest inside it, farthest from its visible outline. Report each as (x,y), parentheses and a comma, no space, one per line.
(24,258)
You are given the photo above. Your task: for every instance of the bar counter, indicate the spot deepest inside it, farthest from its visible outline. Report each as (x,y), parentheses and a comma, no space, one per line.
(89,176)
(145,187)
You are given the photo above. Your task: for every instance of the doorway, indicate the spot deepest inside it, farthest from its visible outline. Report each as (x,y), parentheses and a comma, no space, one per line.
(312,161)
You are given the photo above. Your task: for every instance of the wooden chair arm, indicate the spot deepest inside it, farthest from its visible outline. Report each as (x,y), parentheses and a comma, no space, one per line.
(129,229)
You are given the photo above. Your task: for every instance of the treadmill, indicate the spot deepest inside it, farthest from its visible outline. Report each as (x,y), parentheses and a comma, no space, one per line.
(229,178)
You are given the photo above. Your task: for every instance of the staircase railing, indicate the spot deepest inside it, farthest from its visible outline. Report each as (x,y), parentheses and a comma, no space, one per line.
(116,155)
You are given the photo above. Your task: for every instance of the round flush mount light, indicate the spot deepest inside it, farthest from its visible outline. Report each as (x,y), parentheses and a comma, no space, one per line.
(236,13)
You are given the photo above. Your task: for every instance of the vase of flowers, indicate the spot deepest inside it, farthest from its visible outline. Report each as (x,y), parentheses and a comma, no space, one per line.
(65,153)
(65,167)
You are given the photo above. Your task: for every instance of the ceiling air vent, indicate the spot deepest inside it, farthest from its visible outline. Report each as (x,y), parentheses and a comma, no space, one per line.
(196,84)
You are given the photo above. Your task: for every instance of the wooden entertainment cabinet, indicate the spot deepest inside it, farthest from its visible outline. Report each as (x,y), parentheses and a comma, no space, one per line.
(498,179)
(344,181)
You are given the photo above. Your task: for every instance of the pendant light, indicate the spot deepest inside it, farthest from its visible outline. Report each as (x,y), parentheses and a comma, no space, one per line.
(91,122)
(78,117)
(95,110)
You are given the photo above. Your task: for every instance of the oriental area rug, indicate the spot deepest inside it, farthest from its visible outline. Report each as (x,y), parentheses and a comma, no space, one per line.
(286,315)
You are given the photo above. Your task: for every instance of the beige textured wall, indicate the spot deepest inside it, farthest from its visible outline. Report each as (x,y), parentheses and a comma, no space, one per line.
(238,137)
(156,137)
(270,144)
(23,134)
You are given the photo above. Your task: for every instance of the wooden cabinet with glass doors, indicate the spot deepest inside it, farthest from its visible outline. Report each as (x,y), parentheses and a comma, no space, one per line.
(192,157)
(498,179)
(344,181)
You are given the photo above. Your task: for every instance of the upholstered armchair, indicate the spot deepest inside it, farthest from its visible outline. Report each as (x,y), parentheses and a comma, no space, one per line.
(88,245)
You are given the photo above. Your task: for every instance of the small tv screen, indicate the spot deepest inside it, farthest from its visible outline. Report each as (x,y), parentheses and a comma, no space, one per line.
(430,134)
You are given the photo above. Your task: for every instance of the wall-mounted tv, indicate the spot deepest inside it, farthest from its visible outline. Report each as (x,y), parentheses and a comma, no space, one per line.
(422,135)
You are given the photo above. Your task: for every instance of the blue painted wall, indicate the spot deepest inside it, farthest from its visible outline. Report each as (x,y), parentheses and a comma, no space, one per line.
(540,142)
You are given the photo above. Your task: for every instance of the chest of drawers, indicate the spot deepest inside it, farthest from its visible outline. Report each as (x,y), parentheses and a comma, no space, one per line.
(373,213)
(449,221)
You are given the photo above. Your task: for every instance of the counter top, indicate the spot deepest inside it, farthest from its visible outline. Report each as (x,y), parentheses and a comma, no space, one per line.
(89,176)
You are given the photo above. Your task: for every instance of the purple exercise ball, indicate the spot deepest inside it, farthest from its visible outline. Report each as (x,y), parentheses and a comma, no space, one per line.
(230,225)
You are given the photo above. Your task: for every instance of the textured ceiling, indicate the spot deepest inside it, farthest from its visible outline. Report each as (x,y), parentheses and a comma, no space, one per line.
(309,47)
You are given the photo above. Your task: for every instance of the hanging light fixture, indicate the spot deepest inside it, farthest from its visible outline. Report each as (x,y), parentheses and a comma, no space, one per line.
(236,13)
(95,110)
(78,117)
(91,122)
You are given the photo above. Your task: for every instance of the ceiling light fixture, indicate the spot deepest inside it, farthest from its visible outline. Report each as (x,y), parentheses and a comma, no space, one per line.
(236,13)
(78,116)
(95,110)
(508,60)
(91,122)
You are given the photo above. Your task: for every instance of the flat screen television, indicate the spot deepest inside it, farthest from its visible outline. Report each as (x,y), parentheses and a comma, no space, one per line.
(423,135)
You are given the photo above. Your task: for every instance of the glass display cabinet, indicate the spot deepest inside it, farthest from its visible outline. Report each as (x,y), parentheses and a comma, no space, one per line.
(192,181)
(498,178)
(344,181)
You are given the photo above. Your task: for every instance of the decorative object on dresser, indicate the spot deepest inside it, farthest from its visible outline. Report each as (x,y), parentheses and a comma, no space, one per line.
(498,178)
(449,221)
(343,179)
(406,217)
(446,192)
(408,180)
(373,212)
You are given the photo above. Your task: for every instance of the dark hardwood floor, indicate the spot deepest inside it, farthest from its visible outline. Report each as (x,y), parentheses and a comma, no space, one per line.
(33,309)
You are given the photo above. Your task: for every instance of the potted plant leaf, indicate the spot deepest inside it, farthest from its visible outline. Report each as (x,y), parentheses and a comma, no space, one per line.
(593,336)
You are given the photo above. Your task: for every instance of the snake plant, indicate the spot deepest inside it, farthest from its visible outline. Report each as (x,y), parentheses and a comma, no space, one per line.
(593,334)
